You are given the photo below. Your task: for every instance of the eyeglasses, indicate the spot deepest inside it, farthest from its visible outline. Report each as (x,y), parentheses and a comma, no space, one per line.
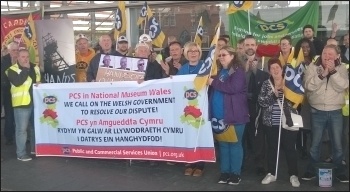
(222,55)
(193,51)
(141,64)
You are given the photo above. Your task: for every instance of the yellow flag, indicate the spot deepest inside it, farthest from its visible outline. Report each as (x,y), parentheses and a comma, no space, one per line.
(143,14)
(239,5)
(155,32)
(29,36)
(120,20)
(209,67)
(199,34)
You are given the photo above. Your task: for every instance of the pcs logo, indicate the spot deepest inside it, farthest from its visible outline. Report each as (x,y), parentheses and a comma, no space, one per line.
(49,100)
(273,27)
(66,150)
(191,94)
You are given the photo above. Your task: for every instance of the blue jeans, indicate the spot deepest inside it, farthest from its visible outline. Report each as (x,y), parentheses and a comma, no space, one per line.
(333,122)
(231,154)
(24,116)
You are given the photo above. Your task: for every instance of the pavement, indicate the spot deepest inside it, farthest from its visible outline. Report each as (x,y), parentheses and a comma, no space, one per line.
(79,174)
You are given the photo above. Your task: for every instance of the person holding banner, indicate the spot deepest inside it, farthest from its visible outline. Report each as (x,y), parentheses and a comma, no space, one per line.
(193,53)
(105,43)
(270,99)
(229,114)
(153,68)
(83,57)
(326,81)
(174,62)
(22,76)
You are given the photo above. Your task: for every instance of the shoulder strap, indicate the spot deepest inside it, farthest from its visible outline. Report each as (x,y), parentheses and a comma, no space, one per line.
(278,100)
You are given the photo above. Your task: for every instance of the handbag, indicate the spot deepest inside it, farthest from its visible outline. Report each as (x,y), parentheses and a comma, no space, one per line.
(297,119)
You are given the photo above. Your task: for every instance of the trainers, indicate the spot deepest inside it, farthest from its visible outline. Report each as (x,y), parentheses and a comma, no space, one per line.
(24,158)
(308,176)
(234,179)
(294,181)
(342,178)
(224,177)
(268,179)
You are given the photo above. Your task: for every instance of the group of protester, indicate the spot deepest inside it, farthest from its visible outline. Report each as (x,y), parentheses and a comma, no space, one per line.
(244,98)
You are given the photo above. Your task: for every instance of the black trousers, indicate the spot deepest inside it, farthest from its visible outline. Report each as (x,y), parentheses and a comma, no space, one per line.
(260,146)
(9,130)
(287,144)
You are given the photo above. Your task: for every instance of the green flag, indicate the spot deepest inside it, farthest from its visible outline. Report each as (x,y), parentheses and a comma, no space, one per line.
(271,32)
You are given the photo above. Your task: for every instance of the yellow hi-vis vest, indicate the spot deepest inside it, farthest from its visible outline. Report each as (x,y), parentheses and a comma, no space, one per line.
(20,94)
(345,109)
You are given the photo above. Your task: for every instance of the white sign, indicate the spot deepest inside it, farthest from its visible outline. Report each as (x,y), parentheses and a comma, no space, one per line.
(162,119)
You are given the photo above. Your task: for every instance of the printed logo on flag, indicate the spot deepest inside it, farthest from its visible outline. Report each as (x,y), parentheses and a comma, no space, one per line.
(238,4)
(200,32)
(118,19)
(293,79)
(49,115)
(143,11)
(206,67)
(154,28)
(28,31)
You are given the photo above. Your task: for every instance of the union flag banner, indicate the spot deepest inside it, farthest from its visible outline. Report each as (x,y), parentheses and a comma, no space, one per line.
(12,29)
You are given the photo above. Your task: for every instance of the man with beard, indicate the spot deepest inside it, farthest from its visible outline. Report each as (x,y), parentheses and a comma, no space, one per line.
(105,42)
(308,32)
(123,46)
(254,137)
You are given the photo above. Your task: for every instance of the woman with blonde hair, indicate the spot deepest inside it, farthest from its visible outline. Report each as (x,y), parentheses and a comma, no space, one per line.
(193,54)
(229,113)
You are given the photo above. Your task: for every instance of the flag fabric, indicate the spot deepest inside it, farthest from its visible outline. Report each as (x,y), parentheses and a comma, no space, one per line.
(239,5)
(143,14)
(293,88)
(120,20)
(209,67)
(332,12)
(29,36)
(199,34)
(155,32)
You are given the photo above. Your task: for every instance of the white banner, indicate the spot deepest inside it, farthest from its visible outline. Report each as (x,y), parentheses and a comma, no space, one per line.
(162,119)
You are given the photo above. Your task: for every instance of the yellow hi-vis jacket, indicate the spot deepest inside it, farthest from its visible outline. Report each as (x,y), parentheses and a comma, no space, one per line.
(20,94)
(345,109)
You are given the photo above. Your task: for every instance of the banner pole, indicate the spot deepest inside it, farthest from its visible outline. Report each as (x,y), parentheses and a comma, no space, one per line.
(195,35)
(249,21)
(144,27)
(279,138)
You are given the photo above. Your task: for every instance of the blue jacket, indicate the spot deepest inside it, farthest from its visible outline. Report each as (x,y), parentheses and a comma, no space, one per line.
(234,89)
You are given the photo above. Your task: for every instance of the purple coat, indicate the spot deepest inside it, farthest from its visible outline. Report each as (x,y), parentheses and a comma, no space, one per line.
(234,89)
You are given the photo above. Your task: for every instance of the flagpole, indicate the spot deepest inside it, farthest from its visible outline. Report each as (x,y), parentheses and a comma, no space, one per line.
(195,35)
(249,21)
(207,88)
(279,138)
(144,27)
